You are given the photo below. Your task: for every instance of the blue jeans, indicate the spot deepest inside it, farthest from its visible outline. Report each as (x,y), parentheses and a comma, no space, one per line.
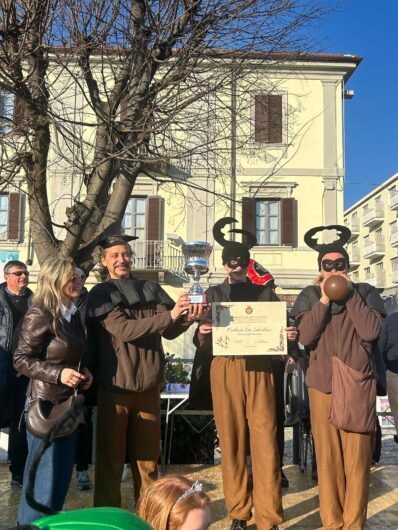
(52,478)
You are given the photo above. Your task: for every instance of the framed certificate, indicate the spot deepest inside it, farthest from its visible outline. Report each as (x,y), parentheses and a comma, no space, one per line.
(249,328)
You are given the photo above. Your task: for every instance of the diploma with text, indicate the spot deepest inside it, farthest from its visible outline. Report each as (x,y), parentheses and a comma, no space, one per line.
(249,328)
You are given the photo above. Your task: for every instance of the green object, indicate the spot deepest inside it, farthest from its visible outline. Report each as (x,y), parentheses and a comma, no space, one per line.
(104,518)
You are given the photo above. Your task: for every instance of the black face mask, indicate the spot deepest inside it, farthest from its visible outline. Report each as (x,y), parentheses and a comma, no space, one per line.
(234,263)
(339,264)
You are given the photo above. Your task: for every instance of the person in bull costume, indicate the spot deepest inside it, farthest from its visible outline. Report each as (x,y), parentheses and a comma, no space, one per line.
(338,335)
(243,394)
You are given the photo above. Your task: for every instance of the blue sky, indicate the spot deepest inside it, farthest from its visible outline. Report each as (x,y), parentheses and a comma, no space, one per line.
(367,28)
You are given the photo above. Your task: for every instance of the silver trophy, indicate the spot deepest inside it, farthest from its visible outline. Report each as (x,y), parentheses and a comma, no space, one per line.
(196,255)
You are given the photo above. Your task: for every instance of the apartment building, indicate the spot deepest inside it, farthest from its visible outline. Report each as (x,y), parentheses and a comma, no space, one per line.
(373,247)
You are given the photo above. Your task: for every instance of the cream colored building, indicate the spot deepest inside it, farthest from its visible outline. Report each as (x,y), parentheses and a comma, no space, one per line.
(373,247)
(285,180)
(280,173)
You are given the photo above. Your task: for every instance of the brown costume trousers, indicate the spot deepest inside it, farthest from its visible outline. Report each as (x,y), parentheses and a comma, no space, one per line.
(344,460)
(244,400)
(127,423)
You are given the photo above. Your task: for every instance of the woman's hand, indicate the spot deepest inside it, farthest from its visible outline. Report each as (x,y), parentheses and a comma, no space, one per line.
(72,378)
(181,305)
(89,379)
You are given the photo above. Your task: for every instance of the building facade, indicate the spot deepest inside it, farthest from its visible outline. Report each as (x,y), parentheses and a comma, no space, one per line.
(373,247)
(286,178)
(279,171)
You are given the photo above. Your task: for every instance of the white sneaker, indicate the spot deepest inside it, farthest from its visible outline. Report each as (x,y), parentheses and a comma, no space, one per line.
(83,480)
(127,475)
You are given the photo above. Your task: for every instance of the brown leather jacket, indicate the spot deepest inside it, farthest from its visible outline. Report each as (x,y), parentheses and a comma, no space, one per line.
(41,355)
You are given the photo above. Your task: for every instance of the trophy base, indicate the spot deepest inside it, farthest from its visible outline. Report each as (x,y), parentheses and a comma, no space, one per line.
(197,298)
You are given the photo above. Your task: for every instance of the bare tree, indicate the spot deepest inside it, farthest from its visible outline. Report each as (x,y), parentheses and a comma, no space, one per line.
(110,89)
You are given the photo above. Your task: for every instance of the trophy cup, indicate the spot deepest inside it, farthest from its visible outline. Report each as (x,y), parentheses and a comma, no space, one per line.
(196,255)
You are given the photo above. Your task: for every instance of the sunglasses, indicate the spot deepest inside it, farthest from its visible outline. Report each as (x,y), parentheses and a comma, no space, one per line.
(19,273)
(237,262)
(339,264)
(76,278)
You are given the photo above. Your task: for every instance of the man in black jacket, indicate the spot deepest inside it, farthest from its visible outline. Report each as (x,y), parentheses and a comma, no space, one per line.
(388,347)
(15,299)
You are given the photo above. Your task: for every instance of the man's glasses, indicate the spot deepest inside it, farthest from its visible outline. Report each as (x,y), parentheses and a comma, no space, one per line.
(339,264)
(19,273)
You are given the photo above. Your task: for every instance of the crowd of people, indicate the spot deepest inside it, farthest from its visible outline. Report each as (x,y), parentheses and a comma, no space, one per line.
(106,343)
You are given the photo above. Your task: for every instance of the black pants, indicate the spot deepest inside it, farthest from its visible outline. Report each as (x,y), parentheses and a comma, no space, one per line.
(17,444)
(84,441)
(278,368)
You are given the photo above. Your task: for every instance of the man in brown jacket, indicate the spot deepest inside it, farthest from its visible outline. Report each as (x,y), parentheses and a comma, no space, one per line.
(126,319)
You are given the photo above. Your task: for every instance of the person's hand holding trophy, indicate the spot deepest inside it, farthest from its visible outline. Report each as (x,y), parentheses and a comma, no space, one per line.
(196,255)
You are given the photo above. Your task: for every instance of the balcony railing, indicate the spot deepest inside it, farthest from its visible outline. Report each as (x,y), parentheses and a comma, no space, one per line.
(374,249)
(157,256)
(394,238)
(393,200)
(353,225)
(394,275)
(377,279)
(355,257)
(375,215)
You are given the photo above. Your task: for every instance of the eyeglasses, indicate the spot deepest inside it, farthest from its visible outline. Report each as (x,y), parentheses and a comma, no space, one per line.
(339,264)
(19,273)
(237,262)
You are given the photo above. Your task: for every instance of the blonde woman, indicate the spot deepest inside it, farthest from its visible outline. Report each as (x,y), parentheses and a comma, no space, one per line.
(50,352)
(175,503)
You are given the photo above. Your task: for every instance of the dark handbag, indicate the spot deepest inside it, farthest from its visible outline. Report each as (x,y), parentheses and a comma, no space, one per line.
(42,416)
(353,405)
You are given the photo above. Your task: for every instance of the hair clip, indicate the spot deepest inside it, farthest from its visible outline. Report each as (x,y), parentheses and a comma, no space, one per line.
(195,488)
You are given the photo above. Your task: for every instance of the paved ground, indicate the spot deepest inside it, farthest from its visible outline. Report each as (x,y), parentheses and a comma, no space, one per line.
(300,501)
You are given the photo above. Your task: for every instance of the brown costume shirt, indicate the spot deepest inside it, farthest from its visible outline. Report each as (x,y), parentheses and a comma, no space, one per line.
(127,319)
(348,334)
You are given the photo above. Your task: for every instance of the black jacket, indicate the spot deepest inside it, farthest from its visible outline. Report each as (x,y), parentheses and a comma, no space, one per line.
(6,332)
(388,343)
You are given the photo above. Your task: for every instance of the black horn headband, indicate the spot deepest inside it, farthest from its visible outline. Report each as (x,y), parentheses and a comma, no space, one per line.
(343,232)
(248,239)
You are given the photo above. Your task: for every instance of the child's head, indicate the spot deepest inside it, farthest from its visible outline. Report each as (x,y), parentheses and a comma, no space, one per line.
(175,503)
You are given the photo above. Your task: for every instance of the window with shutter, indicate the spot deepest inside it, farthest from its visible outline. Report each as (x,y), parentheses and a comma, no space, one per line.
(134,219)
(154,219)
(249,214)
(268,221)
(155,254)
(268,118)
(271,220)
(288,222)
(14,216)
(4,216)
(6,111)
